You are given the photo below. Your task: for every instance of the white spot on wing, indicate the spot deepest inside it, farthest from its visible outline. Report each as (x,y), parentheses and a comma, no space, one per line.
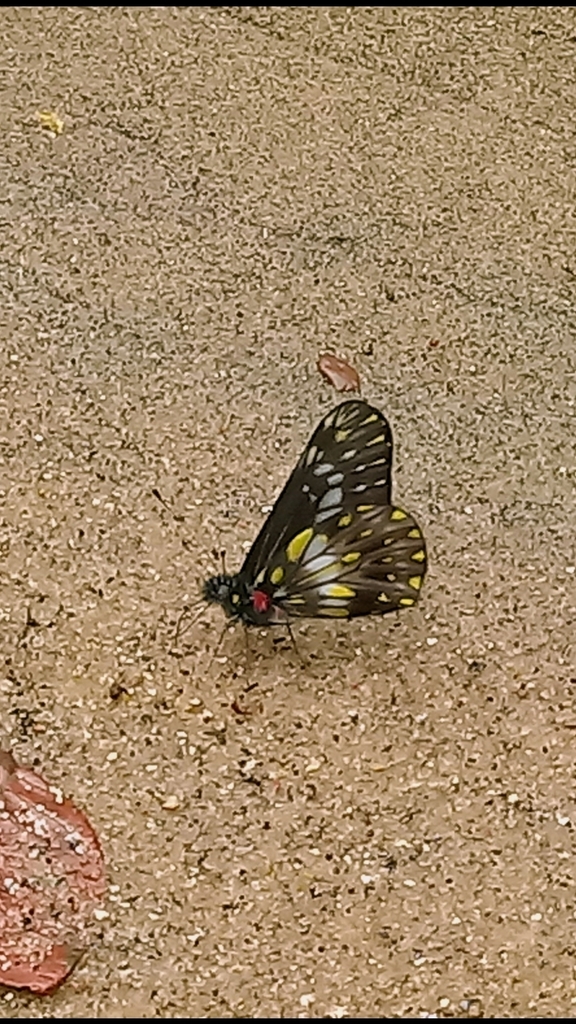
(323,468)
(332,499)
(336,478)
(323,562)
(328,513)
(317,546)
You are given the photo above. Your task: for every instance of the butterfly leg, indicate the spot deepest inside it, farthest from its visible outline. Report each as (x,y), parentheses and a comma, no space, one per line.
(247,645)
(218,645)
(295,645)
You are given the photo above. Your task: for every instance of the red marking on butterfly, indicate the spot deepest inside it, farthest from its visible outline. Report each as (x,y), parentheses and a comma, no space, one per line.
(261,601)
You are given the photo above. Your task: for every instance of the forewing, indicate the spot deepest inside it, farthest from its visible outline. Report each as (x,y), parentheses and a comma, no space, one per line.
(346,464)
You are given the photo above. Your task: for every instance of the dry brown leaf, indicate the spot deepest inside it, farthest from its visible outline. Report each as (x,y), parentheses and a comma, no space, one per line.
(51,880)
(339,373)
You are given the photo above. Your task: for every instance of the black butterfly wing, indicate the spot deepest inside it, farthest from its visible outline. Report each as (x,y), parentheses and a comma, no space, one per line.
(346,463)
(371,561)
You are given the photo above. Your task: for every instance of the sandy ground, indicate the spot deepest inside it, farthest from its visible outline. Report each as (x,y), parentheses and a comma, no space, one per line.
(390,830)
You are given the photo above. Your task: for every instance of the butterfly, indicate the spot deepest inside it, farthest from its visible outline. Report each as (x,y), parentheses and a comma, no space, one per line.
(334,545)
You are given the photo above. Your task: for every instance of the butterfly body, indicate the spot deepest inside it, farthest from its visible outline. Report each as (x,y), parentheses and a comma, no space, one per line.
(334,545)
(239,600)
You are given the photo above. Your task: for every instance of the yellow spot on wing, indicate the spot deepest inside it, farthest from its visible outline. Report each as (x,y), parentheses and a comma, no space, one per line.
(325,572)
(341,435)
(415,582)
(366,533)
(365,508)
(414,533)
(352,556)
(298,544)
(372,418)
(260,577)
(235,598)
(338,590)
(384,598)
(277,574)
(375,440)
(407,600)
(419,556)
(397,515)
(295,600)
(346,519)
(334,613)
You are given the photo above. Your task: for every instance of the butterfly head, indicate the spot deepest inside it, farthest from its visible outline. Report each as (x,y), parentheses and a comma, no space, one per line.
(254,606)
(224,590)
